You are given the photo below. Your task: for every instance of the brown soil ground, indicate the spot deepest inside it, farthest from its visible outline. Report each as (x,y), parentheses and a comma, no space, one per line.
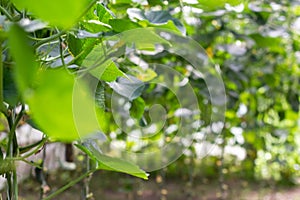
(114,186)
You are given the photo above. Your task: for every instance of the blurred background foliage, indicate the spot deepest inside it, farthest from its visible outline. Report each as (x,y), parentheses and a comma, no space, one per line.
(256,46)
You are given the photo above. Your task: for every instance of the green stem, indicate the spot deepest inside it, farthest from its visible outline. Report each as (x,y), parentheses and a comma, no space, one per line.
(37,165)
(10,175)
(15,184)
(37,144)
(61,52)
(17,119)
(86,181)
(12,151)
(2,107)
(4,11)
(9,186)
(57,192)
(49,39)
(221,168)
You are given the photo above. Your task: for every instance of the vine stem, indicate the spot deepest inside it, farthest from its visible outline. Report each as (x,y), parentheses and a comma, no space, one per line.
(13,151)
(4,11)
(57,192)
(2,107)
(49,39)
(221,168)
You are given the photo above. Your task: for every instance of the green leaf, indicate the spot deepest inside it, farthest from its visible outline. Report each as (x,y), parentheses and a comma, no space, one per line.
(26,66)
(52,105)
(213,5)
(130,87)
(97,19)
(143,74)
(137,108)
(143,39)
(50,94)
(1,155)
(10,92)
(58,13)
(104,119)
(155,2)
(6,165)
(80,48)
(121,2)
(112,164)
(120,25)
(168,25)
(156,18)
(95,26)
(104,15)
(272,43)
(106,70)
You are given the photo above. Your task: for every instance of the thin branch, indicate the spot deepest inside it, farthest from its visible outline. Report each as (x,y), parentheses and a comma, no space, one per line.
(49,39)
(4,11)
(61,52)
(2,107)
(70,184)
(30,146)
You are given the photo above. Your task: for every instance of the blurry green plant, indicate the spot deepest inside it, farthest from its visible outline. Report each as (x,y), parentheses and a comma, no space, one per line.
(44,46)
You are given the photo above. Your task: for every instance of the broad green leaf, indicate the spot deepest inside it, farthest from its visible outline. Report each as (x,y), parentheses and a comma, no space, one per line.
(213,5)
(143,39)
(106,70)
(52,106)
(121,1)
(155,2)
(143,75)
(137,108)
(10,92)
(74,45)
(120,25)
(26,66)
(157,18)
(6,165)
(119,165)
(168,25)
(296,10)
(97,19)
(111,72)
(129,87)
(58,13)
(113,164)
(104,15)
(1,156)
(272,43)
(104,119)
(95,26)
(80,48)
